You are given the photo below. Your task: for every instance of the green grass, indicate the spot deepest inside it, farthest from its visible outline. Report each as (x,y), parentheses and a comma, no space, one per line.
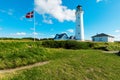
(73,65)
(15,54)
(65,64)
(71,44)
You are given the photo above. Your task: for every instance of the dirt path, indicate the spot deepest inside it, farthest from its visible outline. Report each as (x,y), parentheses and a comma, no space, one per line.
(23,67)
(110,51)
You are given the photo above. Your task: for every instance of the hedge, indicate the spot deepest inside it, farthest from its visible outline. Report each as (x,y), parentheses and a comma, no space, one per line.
(66,44)
(71,44)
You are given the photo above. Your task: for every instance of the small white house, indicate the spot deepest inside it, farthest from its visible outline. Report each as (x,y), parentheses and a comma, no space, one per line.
(103,38)
(62,36)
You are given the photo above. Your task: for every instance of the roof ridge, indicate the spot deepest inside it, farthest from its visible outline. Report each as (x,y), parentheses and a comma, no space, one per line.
(102,34)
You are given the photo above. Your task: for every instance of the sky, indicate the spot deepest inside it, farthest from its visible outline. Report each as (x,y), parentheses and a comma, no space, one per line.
(58,16)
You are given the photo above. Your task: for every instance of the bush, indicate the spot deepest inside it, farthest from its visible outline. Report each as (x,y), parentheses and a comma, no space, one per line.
(66,44)
(71,45)
(107,46)
(118,53)
(82,45)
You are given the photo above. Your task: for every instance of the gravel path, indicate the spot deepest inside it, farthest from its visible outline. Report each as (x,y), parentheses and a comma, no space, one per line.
(110,51)
(23,67)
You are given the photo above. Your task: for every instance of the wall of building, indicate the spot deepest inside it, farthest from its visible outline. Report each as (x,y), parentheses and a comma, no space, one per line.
(110,39)
(103,39)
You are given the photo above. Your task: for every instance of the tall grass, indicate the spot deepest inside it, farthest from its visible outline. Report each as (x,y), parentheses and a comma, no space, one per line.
(82,45)
(15,54)
(73,65)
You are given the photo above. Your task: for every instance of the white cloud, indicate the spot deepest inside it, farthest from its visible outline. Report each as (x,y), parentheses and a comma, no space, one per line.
(0,28)
(35,33)
(70,30)
(42,34)
(55,9)
(22,17)
(117,37)
(21,33)
(18,34)
(38,23)
(32,29)
(9,11)
(64,32)
(52,35)
(47,20)
(3,11)
(117,30)
(98,1)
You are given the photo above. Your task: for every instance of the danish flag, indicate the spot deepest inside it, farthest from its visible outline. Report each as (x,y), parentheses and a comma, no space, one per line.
(30,14)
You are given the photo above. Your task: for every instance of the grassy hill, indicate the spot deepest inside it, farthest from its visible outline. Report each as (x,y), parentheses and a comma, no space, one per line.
(68,60)
(72,65)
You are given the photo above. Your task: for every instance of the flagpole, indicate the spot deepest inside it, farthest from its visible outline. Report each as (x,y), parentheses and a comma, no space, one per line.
(34,22)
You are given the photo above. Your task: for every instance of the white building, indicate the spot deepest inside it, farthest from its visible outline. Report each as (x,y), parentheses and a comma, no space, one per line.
(103,38)
(79,33)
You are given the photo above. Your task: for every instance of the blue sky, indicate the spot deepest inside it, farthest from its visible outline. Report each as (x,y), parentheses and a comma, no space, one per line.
(57,16)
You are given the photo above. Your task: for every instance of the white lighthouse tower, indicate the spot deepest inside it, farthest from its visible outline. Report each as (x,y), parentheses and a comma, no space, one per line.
(79,34)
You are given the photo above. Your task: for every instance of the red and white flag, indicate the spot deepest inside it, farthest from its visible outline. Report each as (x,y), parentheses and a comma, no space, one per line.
(30,14)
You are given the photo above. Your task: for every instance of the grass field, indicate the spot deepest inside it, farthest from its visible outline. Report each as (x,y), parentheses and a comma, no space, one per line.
(72,65)
(15,54)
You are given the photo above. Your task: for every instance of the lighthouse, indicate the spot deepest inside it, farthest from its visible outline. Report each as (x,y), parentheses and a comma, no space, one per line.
(79,32)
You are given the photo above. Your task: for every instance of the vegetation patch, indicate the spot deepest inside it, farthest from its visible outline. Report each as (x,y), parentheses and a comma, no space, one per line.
(15,54)
(81,45)
(73,65)
(66,44)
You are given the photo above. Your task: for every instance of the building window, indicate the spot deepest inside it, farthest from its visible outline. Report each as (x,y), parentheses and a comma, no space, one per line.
(100,39)
(93,39)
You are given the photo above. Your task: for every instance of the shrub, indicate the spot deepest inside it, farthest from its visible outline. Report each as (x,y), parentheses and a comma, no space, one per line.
(66,44)
(71,45)
(107,46)
(118,53)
